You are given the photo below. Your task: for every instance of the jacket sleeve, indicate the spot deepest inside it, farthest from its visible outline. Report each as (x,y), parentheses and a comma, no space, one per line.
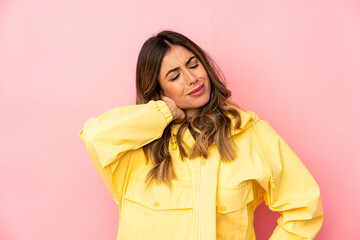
(295,194)
(110,137)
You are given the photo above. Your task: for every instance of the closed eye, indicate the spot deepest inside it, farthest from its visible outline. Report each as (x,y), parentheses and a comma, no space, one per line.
(176,77)
(194,66)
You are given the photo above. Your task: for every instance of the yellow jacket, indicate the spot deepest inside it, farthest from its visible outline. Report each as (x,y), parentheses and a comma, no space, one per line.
(209,199)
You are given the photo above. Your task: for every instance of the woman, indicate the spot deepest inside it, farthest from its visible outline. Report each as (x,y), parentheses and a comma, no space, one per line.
(185,163)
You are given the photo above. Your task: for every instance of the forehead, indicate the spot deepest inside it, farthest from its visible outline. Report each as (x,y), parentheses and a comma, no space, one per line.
(176,55)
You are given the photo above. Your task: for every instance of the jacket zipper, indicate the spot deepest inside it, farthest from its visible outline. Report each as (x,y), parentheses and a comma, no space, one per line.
(201,195)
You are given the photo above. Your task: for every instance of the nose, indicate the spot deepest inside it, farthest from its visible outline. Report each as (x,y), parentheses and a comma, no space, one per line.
(189,77)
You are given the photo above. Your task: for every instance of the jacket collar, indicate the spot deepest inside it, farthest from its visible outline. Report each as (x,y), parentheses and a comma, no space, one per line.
(245,117)
(188,139)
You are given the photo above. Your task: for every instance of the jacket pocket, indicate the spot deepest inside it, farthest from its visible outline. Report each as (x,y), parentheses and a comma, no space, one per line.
(232,219)
(158,211)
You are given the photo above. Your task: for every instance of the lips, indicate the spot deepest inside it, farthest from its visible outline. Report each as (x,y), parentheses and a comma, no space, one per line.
(197,90)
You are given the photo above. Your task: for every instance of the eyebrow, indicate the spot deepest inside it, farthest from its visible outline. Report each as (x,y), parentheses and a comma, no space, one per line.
(177,68)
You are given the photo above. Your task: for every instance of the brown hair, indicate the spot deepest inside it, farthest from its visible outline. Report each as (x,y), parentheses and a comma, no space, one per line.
(210,125)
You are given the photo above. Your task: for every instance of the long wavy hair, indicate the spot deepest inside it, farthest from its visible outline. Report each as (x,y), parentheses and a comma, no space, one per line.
(212,124)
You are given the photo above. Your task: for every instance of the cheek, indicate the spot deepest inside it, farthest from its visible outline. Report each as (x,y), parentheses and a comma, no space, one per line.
(172,90)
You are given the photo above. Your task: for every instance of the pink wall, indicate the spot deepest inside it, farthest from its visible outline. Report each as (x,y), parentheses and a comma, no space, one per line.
(295,63)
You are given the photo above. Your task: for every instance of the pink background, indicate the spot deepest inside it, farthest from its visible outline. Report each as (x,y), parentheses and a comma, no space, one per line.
(295,63)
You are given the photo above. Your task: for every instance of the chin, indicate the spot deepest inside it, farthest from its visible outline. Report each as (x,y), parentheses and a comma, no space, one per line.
(206,101)
(201,103)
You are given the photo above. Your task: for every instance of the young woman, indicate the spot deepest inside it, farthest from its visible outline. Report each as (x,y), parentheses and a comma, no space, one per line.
(185,163)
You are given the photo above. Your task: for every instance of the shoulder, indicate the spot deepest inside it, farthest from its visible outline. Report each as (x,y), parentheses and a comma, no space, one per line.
(253,124)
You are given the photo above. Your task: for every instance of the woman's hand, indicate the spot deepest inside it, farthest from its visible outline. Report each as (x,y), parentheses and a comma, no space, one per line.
(177,113)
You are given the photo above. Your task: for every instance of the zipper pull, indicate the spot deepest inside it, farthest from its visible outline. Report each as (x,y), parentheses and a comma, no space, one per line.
(272,182)
(173,143)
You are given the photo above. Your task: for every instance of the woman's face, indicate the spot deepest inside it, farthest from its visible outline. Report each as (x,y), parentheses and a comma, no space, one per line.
(184,79)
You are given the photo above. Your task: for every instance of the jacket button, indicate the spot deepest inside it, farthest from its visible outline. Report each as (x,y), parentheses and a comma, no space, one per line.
(222,208)
(156,203)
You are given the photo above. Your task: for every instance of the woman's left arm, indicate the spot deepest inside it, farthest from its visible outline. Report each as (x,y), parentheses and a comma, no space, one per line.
(295,194)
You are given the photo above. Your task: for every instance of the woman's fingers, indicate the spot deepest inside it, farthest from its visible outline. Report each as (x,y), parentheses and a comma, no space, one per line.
(177,113)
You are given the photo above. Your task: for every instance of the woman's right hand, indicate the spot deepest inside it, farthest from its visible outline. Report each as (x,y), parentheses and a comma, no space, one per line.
(177,113)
